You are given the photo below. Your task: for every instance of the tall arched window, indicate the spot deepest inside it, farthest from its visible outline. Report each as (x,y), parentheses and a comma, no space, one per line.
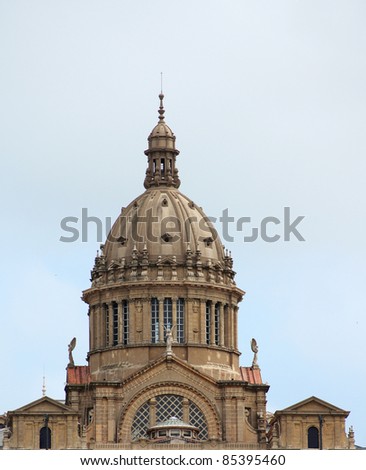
(45,438)
(106,320)
(217,323)
(180,320)
(154,320)
(125,321)
(168,314)
(208,322)
(114,323)
(165,406)
(313,438)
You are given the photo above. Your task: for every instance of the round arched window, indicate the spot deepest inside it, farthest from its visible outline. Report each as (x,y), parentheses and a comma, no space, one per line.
(166,406)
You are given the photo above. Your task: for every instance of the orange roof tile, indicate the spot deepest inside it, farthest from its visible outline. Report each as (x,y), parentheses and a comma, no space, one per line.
(78,375)
(251,375)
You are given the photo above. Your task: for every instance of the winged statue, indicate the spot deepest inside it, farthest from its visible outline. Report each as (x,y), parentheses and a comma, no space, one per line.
(254,347)
(71,347)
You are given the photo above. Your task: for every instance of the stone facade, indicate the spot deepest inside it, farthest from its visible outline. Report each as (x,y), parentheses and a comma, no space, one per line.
(45,423)
(312,423)
(163,330)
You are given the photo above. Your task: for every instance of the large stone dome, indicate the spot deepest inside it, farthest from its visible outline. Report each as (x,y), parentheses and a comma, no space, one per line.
(164,223)
(162,228)
(162,269)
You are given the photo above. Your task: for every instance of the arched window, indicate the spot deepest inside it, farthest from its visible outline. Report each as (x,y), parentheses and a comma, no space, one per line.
(208,322)
(217,323)
(154,320)
(166,406)
(114,323)
(45,438)
(313,438)
(180,320)
(125,321)
(168,314)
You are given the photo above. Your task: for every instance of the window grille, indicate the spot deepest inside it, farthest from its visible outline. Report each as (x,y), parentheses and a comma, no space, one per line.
(180,320)
(217,323)
(141,422)
(125,320)
(167,406)
(208,322)
(168,314)
(115,323)
(154,320)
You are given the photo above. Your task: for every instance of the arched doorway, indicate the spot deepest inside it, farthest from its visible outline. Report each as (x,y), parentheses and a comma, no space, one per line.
(313,438)
(45,438)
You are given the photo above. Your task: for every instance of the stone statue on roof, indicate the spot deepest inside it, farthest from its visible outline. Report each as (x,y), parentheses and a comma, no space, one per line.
(71,347)
(254,347)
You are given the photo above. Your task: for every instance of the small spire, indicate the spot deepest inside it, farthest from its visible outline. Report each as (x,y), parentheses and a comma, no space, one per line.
(161,154)
(44,387)
(161,108)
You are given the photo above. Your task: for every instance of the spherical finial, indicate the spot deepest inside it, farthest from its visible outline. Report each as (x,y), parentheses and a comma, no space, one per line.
(161,108)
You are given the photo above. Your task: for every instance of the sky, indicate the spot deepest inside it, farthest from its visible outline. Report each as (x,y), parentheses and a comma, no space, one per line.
(267,100)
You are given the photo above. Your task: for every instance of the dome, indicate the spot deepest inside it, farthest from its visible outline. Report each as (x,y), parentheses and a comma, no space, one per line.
(164,223)
(161,137)
(162,269)
(163,227)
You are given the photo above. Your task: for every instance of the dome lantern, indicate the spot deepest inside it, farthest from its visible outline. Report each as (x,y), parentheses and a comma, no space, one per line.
(161,154)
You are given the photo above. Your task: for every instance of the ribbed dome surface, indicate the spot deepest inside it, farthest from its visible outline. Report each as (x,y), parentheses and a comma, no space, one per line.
(163,222)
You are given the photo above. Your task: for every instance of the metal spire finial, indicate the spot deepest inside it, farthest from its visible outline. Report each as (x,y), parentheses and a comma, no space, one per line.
(161,97)
(44,387)
(161,108)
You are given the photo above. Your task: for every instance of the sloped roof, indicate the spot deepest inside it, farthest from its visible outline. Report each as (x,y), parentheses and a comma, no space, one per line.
(78,375)
(171,359)
(43,405)
(313,405)
(251,375)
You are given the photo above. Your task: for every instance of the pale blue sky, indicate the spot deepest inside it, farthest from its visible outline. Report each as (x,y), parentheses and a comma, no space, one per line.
(267,100)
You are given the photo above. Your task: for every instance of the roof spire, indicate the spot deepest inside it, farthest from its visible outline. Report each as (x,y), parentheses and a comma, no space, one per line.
(44,387)
(161,108)
(161,170)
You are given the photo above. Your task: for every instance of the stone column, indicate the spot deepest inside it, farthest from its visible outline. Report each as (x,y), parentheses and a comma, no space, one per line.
(91,327)
(191,320)
(100,326)
(146,321)
(152,405)
(226,325)
(138,319)
(185,410)
(111,420)
(235,327)
(132,322)
(231,417)
(100,418)
(231,326)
